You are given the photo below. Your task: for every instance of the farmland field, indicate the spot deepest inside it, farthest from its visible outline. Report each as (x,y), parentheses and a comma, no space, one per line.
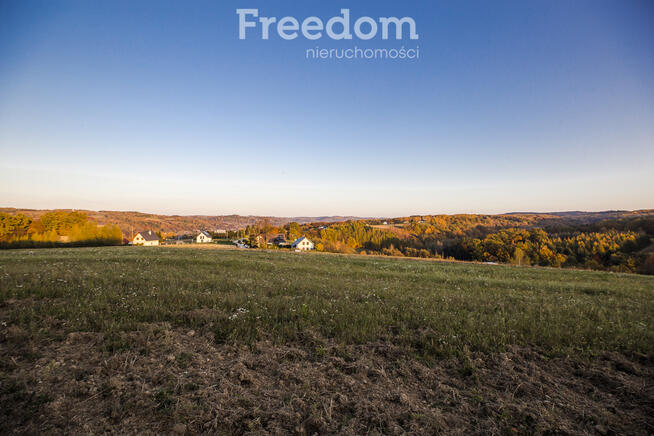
(183,340)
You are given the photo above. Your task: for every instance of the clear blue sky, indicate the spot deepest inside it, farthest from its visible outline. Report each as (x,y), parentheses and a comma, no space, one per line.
(157,106)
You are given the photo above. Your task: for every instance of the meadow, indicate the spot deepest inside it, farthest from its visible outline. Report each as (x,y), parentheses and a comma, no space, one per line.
(330,315)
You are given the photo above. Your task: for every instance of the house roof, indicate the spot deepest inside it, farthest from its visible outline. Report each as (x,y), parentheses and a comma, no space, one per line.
(205,234)
(298,240)
(148,235)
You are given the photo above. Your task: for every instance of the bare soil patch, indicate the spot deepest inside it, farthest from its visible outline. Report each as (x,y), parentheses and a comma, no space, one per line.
(167,380)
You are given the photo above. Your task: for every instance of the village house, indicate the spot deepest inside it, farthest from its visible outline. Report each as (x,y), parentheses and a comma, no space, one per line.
(146,238)
(203,238)
(279,240)
(302,244)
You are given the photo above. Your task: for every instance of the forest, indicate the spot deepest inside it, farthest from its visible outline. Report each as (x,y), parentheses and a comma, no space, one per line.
(54,229)
(621,245)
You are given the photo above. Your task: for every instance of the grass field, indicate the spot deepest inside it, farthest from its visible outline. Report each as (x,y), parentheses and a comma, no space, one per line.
(189,340)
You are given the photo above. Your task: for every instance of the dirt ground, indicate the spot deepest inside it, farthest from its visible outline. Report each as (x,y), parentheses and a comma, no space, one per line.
(180,381)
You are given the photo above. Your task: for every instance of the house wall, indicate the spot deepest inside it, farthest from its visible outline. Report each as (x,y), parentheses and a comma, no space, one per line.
(201,239)
(139,240)
(305,245)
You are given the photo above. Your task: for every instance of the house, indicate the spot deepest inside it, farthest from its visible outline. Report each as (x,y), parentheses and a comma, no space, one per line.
(302,244)
(203,238)
(146,238)
(279,240)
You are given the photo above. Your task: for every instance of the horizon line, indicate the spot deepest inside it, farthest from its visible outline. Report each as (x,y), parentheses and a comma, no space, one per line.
(3,208)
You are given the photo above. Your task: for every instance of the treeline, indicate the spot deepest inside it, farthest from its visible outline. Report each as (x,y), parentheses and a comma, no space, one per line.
(613,250)
(54,229)
(354,236)
(613,245)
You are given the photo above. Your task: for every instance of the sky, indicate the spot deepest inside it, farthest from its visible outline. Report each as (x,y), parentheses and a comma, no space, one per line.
(158,106)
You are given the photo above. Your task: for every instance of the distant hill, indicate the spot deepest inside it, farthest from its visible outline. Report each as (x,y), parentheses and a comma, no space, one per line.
(130,221)
(589,217)
(135,221)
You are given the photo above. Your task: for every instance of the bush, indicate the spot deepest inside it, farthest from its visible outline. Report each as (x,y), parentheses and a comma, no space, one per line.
(647,267)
